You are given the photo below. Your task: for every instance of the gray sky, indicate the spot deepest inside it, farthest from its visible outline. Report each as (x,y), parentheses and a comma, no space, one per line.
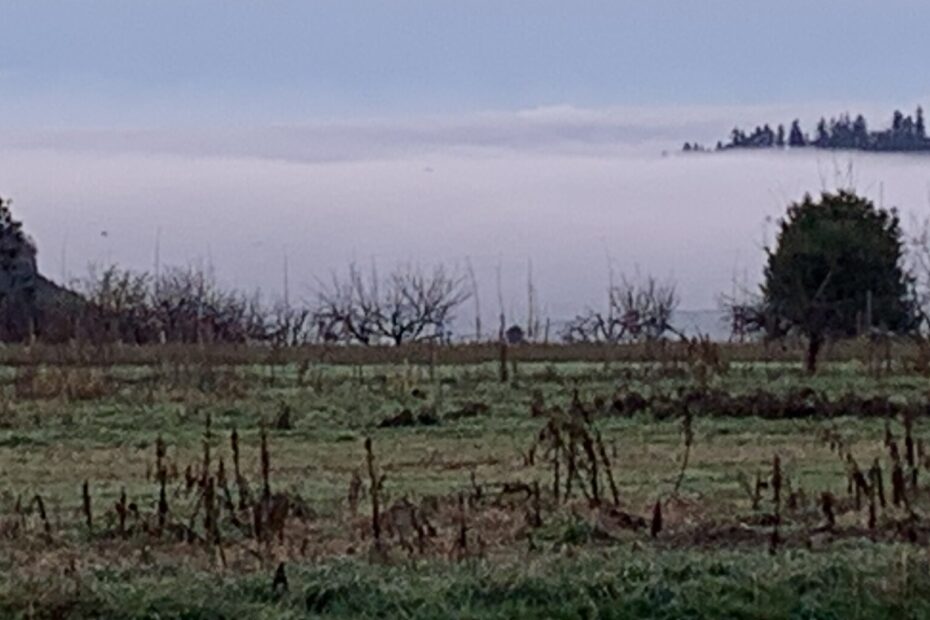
(155,62)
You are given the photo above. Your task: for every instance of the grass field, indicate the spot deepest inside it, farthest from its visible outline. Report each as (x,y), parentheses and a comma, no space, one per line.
(574,489)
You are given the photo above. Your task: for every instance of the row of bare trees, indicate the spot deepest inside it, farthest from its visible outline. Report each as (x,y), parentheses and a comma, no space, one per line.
(189,305)
(357,306)
(177,305)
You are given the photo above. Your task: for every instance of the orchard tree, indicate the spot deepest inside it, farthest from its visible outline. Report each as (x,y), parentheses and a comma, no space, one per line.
(837,268)
(409,305)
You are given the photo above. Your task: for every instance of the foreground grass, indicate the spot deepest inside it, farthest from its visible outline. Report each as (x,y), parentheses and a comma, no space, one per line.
(858,581)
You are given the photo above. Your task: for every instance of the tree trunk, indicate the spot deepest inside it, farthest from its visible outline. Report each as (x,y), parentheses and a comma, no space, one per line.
(814,344)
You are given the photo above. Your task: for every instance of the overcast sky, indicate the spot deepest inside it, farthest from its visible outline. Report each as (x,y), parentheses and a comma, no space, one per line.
(218,62)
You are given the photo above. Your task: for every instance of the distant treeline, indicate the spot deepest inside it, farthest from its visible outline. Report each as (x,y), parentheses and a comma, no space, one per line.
(906,134)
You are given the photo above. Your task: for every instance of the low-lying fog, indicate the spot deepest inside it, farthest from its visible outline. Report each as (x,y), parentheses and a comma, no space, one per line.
(564,194)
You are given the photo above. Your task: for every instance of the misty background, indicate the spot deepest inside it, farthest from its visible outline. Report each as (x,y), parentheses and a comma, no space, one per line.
(244,136)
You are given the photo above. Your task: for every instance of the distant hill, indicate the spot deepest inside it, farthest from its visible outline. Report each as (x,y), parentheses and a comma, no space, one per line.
(907,134)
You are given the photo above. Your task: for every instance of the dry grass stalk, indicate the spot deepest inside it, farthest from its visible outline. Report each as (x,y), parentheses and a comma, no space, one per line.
(160,452)
(279,583)
(573,440)
(210,527)
(121,511)
(265,457)
(189,479)
(242,485)
(234,444)
(43,515)
(477,492)
(856,480)
(827,507)
(375,482)
(876,482)
(774,539)
(587,445)
(608,469)
(461,541)
(85,496)
(162,505)
(656,526)
(898,490)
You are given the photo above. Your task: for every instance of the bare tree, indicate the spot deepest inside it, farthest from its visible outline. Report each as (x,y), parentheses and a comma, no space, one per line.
(408,305)
(348,309)
(184,305)
(288,325)
(119,304)
(636,310)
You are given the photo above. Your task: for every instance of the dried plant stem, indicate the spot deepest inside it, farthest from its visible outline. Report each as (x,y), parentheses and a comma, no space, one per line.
(375,491)
(88,516)
(608,468)
(266,466)
(43,515)
(656,525)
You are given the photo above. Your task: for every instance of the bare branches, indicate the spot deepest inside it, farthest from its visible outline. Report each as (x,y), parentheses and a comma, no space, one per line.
(636,310)
(181,304)
(407,305)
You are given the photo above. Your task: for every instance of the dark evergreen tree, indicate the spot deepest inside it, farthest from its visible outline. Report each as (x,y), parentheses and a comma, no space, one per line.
(823,135)
(836,260)
(907,133)
(796,138)
(861,132)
